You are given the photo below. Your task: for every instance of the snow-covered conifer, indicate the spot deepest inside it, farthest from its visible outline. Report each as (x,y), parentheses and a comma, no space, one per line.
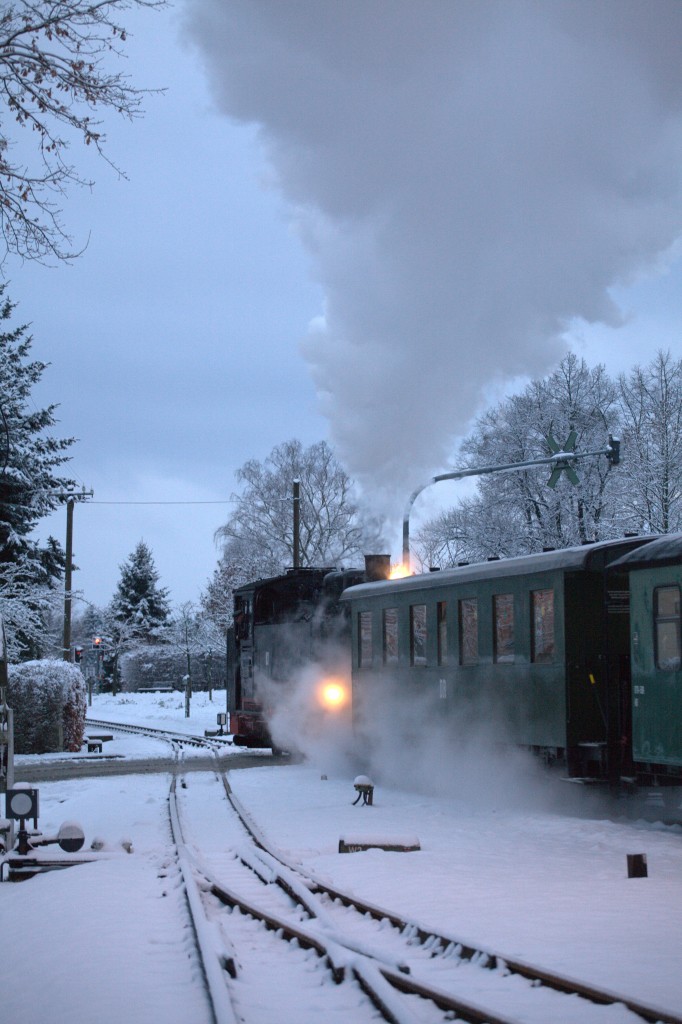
(139,601)
(29,456)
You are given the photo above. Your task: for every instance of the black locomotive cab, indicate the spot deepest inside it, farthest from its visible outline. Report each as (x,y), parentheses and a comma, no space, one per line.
(281,624)
(276,623)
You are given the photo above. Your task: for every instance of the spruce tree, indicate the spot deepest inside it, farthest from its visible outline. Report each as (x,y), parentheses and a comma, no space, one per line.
(139,601)
(29,456)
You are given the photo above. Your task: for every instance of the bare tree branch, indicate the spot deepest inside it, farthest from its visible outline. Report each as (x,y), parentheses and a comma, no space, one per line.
(55,80)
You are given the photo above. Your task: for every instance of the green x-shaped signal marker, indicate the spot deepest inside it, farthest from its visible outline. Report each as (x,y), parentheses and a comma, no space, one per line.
(563,466)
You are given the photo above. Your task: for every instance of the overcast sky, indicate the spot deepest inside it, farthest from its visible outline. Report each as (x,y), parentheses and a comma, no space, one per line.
(355,221)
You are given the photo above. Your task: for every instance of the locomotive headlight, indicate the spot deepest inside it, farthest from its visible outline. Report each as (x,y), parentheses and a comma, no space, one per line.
(333,694)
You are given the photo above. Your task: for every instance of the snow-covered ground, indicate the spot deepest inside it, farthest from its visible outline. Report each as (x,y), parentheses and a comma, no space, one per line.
(106,941)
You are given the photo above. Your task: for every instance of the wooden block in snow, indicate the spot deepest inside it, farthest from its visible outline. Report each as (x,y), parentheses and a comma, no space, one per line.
(394,844)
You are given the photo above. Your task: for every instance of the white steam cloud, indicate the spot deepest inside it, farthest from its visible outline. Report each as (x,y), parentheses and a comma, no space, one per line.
(406,740)
(300,722)
(468,176)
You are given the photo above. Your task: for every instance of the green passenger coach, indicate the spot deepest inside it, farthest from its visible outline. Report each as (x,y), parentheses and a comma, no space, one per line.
(536,646)
(655,573)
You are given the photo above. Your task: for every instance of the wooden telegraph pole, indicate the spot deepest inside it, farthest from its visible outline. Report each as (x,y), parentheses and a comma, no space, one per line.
(297,524)
(71,498)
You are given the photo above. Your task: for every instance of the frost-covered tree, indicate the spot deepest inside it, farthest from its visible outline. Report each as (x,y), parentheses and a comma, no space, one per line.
(516,512)
(29,454)
(139,601)
(32,612)
(650,492)
(333,530)
(57,75)
(198,640)
(238,564)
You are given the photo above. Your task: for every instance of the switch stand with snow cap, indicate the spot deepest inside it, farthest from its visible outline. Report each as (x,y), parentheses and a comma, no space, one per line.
(365,790)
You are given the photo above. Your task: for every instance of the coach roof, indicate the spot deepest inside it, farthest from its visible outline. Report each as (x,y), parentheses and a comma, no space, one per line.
(666,550)
(587,557)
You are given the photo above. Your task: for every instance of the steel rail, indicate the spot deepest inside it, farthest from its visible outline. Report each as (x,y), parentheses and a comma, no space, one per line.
(164,734)
(370,979)
(375,978)
(486,959)
(212,967)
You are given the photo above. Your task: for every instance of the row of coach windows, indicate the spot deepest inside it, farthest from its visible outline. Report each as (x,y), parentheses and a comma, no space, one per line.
(504,631)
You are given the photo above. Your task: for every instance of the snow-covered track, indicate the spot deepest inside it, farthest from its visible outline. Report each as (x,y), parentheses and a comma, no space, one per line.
(213,968)
(585,1001)
(207,742)
(236,941)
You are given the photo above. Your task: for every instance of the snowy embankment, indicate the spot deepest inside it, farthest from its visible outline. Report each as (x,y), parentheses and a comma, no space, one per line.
(107,941)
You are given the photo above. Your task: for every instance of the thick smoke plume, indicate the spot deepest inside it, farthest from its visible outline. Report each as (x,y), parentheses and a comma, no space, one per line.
(468,176)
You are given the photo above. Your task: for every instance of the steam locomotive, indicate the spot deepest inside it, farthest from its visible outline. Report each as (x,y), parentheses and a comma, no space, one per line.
(577,651)
(283,624)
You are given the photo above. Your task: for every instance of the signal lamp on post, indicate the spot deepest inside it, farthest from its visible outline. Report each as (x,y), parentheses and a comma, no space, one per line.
(96,643)
(614,453)
(78,654)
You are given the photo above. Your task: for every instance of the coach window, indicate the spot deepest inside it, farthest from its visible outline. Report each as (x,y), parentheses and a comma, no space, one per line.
(503,618)
(542,625)
(365,639)
(468,631)
(442,620)
(418,634)
(390,631)
(667,627)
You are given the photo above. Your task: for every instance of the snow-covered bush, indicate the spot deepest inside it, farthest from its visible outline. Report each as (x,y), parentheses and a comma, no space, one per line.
(49,702)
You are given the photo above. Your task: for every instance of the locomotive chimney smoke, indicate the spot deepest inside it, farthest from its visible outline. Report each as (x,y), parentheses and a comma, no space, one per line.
(377,567)
(469,179)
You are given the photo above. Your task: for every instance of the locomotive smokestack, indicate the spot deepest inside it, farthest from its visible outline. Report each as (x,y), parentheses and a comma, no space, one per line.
(377,567)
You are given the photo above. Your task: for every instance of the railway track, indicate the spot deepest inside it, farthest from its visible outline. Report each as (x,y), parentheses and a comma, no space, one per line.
(243,895)
(408,973)
(93,765)
(179,739)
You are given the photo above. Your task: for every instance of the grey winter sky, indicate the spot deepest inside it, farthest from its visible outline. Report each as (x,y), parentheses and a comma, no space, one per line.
(358,221)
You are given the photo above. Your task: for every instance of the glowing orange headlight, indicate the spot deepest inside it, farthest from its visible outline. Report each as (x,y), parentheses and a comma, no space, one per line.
(333,694)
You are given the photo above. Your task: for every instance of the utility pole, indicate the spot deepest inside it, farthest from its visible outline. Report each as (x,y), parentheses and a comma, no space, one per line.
(71,498)
(66,645)
(297,524)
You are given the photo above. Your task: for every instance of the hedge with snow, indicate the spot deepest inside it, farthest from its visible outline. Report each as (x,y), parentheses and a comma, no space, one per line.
(49,702)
